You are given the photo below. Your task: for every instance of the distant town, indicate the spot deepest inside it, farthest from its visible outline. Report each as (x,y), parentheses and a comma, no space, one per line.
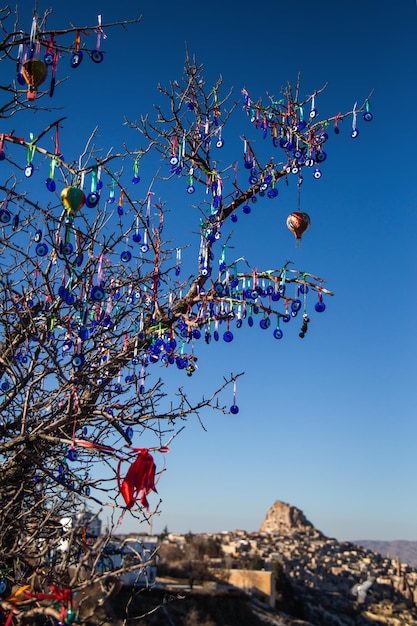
(286,568)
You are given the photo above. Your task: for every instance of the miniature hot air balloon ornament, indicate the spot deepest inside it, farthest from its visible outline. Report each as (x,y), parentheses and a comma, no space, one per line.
(34,72)
(33,69)
(73,198)
(298,222)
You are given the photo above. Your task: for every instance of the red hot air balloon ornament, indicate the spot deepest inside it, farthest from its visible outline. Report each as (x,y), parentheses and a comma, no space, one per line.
(34,72)
(298,222)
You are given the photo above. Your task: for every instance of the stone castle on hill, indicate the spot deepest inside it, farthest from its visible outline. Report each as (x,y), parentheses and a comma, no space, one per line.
(283,516)
(339,583)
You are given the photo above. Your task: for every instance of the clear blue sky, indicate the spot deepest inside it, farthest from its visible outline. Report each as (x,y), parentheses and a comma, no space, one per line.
(327,423)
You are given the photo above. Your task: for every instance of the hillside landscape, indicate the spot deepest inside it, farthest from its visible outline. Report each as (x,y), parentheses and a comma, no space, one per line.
(286,574)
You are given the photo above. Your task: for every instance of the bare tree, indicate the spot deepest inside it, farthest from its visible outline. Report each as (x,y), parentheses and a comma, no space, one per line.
(92,295)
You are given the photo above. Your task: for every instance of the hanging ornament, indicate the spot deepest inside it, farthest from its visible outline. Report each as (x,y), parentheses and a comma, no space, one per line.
(97,55)
(313,111)
(34,72)
(139,480)
(5,215)
(298,222)
(136,177)
(29,158)
(93,197)
(50,183)
(248,159)
(77,55)
(355,131)
(367,116)
(234,409)
(51,59)
(73,198)
(320,306)
(120,209)
(190,186)
(2,153)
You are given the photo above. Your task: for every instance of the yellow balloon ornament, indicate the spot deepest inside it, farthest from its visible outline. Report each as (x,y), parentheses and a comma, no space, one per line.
(73,198)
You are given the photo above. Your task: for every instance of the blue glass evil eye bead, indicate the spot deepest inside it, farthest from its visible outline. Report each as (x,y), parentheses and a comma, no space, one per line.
(228,336)
(67,345)
(303,288)
(125,256)
(286,318)
(92,199)
(129,433)
(136,237)
(317,174)
(272,193)
(29,170)
(97,56)
(67,249)
(220,143)
(246,209)
(97,293)
(3,586)
(41,249)
(48,59)
(296,305)
(50,185)
(78,360)
(234,409)
(76,59)
(265,323)
(5,216)
(233,217)
(354,133)
(367,116)
(320,307)
(321,156)
(136,180)
(62,292)
(278,333)
(190,189)
(72,454)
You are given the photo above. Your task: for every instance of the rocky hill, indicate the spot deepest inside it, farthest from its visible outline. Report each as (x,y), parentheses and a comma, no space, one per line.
(340,584)
(284,517)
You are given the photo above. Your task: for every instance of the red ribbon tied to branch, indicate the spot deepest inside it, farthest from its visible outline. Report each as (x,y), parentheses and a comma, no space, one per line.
(139,480)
